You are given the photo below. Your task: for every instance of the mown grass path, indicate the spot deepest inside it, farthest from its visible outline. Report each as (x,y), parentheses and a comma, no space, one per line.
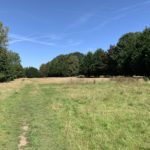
(106,115)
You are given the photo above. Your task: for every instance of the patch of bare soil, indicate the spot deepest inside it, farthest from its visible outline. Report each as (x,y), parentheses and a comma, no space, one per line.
(23,139)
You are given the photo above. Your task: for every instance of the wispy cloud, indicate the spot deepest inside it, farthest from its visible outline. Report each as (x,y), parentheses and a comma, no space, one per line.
(116,15)
(15,38)
(49,37)
(134,7)
(54,40)
(47,40)
(123,12)
(107,21)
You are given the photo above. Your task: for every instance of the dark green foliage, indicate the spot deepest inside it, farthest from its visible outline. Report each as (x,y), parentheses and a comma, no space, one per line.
(44,69)
(94,64)
(72,65)
(3,54)
(3,36)
(16,70)
(3,65)
(112,61)
(57,66)
(131,55)
(87,66)
(100,62)
(141,57)
(10,66)
(31,72)
(65,65)
(126,48)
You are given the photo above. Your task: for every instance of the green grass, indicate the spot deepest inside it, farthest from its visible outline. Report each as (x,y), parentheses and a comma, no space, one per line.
(108,115)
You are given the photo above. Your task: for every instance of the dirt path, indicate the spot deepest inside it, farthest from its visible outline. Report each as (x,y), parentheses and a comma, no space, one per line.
(23,139)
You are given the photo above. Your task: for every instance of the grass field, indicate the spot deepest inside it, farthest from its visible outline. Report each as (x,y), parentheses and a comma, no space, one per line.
(75,114)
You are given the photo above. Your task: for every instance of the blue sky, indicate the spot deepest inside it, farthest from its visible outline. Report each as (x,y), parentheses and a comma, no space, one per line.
(42,29)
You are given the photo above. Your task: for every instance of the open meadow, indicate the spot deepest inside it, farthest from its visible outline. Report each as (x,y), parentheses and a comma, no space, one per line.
(75,114)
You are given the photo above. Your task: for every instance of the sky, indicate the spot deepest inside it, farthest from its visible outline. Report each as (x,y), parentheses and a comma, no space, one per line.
(40,30)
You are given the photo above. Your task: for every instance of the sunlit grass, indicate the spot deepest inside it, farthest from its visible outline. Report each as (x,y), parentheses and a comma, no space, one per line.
(78,115)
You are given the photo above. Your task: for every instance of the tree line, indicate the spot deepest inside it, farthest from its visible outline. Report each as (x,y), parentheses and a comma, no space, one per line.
(130,56)
(10,63)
